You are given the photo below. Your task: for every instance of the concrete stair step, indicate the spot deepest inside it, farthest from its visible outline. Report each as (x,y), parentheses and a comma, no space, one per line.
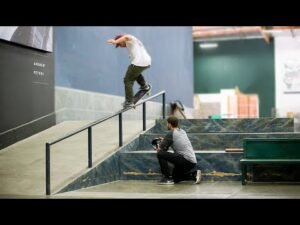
(260,125)
(215,165)
(213,141)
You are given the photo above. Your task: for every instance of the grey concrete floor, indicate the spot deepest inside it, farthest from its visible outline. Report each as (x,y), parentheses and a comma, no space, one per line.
(186,190)
(22,165)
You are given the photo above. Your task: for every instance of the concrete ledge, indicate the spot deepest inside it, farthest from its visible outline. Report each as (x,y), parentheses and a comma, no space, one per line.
(73,104)
(26,130)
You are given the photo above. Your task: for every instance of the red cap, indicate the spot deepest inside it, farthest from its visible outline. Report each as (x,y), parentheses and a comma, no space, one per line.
(116,38)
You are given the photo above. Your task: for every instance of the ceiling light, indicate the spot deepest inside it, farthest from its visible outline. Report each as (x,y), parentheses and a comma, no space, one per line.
(208,45)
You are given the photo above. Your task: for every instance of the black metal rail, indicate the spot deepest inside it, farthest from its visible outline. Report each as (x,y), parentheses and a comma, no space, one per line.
(89,128)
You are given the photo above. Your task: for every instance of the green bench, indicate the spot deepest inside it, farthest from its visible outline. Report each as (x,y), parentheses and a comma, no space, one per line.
(269,151)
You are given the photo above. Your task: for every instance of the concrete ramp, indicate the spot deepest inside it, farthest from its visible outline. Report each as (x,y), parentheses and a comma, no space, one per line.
(22,165)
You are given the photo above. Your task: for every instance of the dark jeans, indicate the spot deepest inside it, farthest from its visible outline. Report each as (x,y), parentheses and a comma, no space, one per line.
(134,73)
(183,169)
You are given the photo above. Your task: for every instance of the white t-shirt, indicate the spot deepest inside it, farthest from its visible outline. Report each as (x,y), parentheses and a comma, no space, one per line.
(137,52)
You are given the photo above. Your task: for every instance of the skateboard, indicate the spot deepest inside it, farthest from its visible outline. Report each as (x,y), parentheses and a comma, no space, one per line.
(140,94)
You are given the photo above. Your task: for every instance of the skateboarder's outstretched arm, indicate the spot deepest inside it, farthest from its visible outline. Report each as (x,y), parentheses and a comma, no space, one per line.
(124,38)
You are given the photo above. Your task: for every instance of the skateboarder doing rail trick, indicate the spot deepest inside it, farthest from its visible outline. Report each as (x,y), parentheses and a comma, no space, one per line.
(140,61)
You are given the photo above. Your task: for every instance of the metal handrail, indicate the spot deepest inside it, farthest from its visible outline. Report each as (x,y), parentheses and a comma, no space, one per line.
(89,128)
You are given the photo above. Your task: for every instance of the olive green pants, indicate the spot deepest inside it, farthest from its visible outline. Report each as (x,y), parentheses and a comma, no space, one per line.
(134,73)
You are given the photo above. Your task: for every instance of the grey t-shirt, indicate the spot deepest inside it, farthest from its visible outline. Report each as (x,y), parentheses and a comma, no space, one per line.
(180,143)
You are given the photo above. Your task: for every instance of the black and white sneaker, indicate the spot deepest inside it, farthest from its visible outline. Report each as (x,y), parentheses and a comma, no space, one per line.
(198,177)
(166,181)
(147,87)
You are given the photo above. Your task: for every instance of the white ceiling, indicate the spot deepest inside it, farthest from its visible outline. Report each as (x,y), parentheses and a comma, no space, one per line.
(223,33)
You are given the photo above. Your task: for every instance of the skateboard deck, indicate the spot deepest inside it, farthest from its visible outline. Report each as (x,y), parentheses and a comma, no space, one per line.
(140,94)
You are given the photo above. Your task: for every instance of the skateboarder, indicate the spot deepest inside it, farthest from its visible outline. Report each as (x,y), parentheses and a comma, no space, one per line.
(140,61)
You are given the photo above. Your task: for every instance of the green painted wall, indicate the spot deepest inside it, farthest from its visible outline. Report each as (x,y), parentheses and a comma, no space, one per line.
(248,64)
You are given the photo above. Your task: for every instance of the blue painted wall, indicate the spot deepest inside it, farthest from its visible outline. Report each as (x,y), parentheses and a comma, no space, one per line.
(84,60)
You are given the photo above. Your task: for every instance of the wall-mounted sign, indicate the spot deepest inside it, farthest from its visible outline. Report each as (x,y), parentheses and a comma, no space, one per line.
(291,75)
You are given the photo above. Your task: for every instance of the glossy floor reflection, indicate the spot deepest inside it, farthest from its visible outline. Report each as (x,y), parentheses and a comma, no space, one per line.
(187,190)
